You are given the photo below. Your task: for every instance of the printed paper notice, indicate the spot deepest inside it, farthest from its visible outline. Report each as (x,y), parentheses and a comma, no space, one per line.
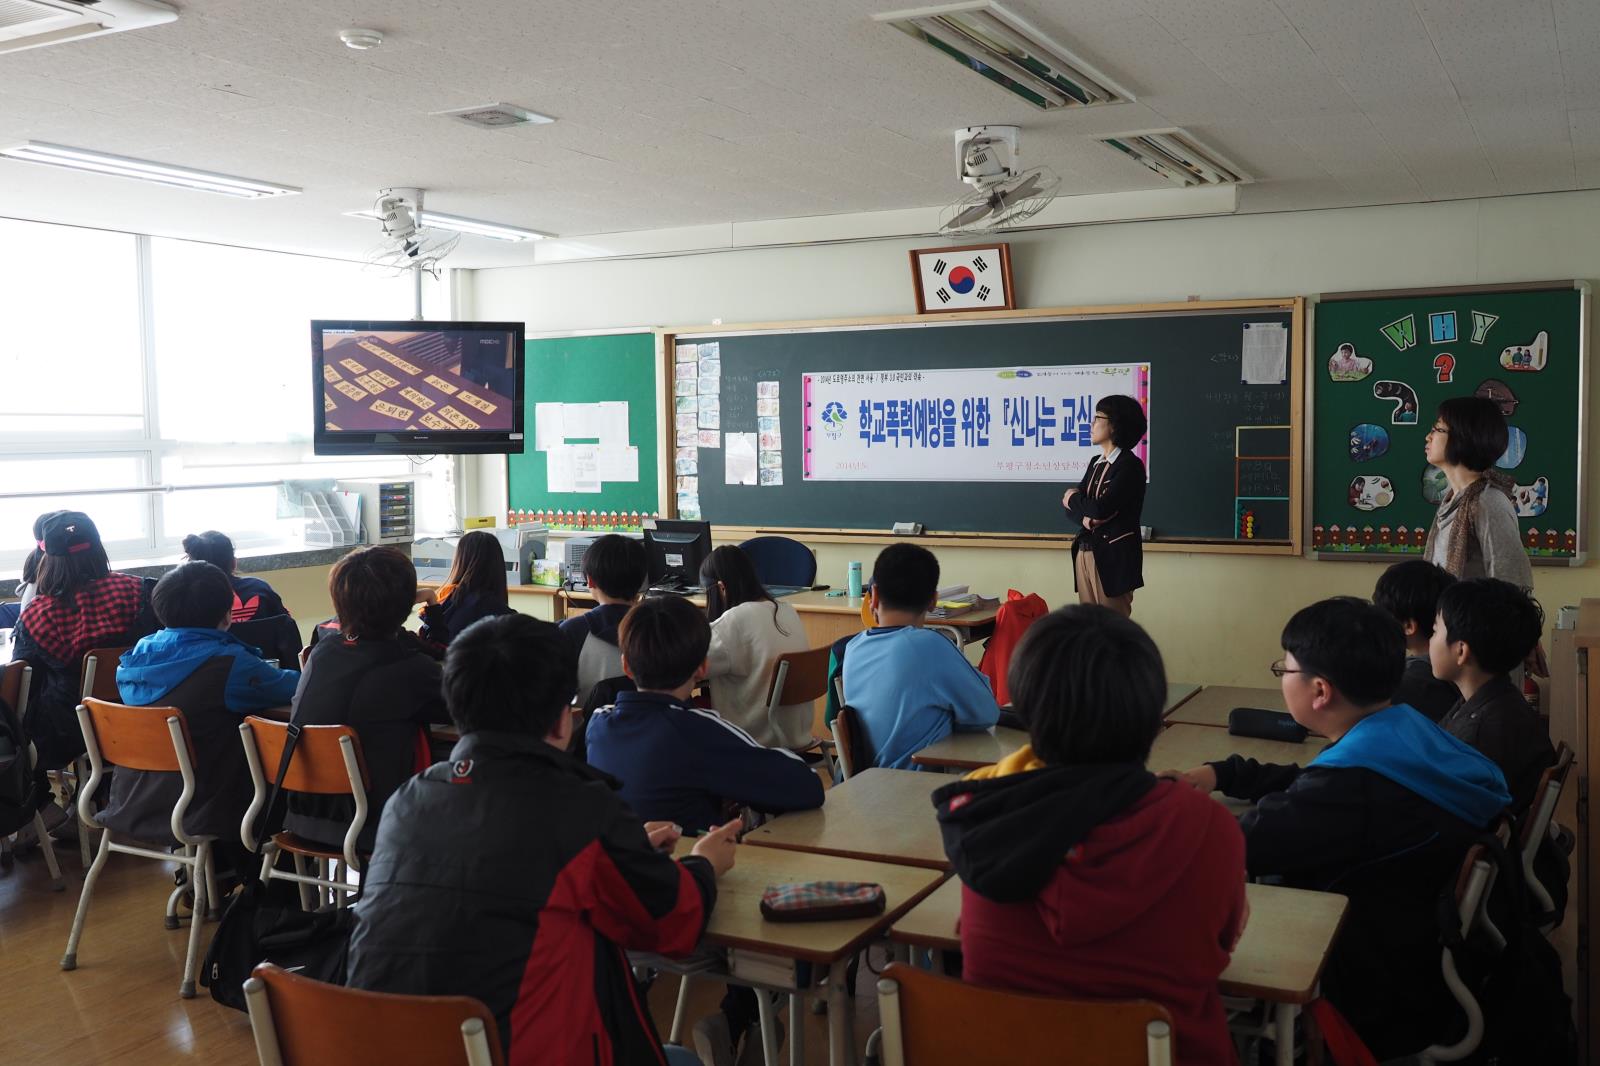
(740,458)
(1266,354)
(549,426)
(619,464)
(558,469)
(586,468)
(613,424)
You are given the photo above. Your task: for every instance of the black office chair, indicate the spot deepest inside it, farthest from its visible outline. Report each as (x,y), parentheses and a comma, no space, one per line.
(781,561)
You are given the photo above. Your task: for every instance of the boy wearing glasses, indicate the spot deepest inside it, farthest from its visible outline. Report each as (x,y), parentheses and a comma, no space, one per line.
(1384,815)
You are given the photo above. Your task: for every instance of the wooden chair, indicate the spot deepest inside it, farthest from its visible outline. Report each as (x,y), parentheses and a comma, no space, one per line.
(152,739)
(930,1020)
(1537,826)
(849,741)
(97,678)
(15,681)
(797,677)
(300,1022)
(327,762)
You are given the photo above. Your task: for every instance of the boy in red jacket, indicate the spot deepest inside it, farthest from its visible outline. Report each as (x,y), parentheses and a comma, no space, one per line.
(1082,874)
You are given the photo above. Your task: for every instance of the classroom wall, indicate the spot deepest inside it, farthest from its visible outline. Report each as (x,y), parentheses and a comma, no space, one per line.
(304,590)
(1215,617)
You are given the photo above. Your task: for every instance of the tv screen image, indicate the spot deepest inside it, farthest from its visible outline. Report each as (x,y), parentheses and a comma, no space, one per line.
(418,387)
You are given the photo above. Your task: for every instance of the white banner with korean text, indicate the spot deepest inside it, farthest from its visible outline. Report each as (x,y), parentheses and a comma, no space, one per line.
(978,424)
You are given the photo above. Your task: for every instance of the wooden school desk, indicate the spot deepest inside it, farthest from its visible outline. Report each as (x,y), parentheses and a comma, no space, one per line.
(879,815)
(968,751)
(1213,703)
(1279,959)
(826,618)
(736,923)
(1183,747)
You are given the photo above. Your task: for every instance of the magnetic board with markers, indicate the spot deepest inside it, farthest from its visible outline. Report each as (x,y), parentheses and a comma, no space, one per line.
(1380,365)
(973,426)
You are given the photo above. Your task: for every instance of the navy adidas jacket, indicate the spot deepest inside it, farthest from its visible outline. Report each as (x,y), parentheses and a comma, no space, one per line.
(686,765)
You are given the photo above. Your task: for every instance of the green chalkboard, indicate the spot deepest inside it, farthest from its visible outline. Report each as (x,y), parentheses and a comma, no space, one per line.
(590,369)
(1373,491)
(1197,404)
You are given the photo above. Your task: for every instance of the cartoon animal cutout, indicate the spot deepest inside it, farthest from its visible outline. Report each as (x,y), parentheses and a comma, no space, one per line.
(1500,393)
(1346,365)
(1370,492)
(1527,358)
(1516,449)
(1532,500)
(1404,398)
(1368,442)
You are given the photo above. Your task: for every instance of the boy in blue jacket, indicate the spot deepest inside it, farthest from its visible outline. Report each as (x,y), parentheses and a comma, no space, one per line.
(194,664)
(1384,815)
(681,764)
(910,686)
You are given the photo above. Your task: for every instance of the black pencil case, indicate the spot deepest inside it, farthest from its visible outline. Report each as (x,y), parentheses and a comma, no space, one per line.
(1266,725)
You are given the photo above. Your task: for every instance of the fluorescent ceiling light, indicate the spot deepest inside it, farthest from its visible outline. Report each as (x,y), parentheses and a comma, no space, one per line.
(985,37)
(476,227)
(161,173)
(1178,156)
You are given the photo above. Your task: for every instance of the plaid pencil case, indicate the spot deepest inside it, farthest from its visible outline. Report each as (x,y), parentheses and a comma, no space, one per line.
(821,901)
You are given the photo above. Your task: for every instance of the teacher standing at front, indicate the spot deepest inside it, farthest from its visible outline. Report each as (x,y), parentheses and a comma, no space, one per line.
(1107,556)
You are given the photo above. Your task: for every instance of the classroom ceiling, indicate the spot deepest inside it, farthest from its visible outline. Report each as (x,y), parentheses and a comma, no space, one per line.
(712,111)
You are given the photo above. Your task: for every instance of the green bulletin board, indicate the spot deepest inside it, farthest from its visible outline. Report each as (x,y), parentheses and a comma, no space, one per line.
(593,369)
(1380,366)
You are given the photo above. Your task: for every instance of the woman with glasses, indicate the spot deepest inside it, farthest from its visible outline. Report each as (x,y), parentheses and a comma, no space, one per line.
(1107,558)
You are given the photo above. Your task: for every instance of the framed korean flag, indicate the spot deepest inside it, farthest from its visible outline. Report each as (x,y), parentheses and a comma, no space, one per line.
(974,277)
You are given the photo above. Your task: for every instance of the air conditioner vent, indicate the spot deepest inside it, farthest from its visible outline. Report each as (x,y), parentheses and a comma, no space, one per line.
(496,116)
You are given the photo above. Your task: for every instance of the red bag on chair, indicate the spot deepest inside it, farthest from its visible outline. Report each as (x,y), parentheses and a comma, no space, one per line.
(1016,614)
(1344,1046)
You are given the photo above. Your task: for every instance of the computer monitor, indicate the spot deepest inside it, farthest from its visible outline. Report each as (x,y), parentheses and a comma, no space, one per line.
(676,551)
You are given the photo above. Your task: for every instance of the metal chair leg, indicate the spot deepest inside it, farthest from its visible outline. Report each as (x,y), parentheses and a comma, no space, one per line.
(80,767)
(305,889)
(50,861)
(213,904)
(184,885)
(69,961)
(680,1011)
(199,878)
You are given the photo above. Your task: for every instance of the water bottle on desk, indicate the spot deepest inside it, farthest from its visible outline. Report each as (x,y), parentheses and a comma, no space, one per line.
(853,582)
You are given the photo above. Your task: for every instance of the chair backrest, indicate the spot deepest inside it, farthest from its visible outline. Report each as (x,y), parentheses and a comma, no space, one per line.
(850,742)
(135,738)
(781,561)
(1545,797)
(301,1022)
(931,1020)
(277,636)
(799,677)
(15,681)
(318,765)
(99,676)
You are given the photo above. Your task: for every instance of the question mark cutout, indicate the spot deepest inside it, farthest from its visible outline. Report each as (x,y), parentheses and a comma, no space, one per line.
(1404,398)
(1445,365)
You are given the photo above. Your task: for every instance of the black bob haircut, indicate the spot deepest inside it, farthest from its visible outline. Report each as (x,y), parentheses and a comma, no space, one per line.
(906,577)
(193,595)
(1496,619)
(1478,434)
(509,673)
(1357,648)
(1091,687)
(1410,592)
(1127,418)
(664,639)
(617,566)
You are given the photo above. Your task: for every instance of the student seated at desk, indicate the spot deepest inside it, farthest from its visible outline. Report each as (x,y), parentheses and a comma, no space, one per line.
(252,597)
(475,588)
(1083,874)
(909,686)
(616,569)
(196,665)
(29,584)
(81,604)
(373,675)
(1485,629)
(518,875)
(1383,815)
(749,630)
(1410,592)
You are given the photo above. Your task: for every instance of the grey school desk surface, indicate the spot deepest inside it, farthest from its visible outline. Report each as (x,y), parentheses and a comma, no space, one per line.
(1184,747)
(1280,957)
(1212,704)
(880,815)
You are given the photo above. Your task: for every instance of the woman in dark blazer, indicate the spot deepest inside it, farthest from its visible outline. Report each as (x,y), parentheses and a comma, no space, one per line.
(1107,557)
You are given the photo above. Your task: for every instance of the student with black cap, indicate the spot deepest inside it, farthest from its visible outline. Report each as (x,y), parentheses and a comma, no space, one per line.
(81,604)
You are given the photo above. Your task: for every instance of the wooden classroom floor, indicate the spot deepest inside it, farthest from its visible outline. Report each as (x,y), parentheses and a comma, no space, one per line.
(121,1005)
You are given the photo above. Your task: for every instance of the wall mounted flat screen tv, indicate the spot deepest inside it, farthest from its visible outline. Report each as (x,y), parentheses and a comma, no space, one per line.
(416,388)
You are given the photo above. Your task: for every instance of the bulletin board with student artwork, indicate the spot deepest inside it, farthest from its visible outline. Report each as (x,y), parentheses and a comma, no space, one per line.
(1382,362)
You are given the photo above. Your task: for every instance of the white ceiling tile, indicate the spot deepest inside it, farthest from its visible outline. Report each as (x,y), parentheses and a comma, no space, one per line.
(1187,20)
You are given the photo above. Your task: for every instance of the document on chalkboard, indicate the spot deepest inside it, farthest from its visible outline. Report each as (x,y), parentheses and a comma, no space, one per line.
(1266,354)
(740,458)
